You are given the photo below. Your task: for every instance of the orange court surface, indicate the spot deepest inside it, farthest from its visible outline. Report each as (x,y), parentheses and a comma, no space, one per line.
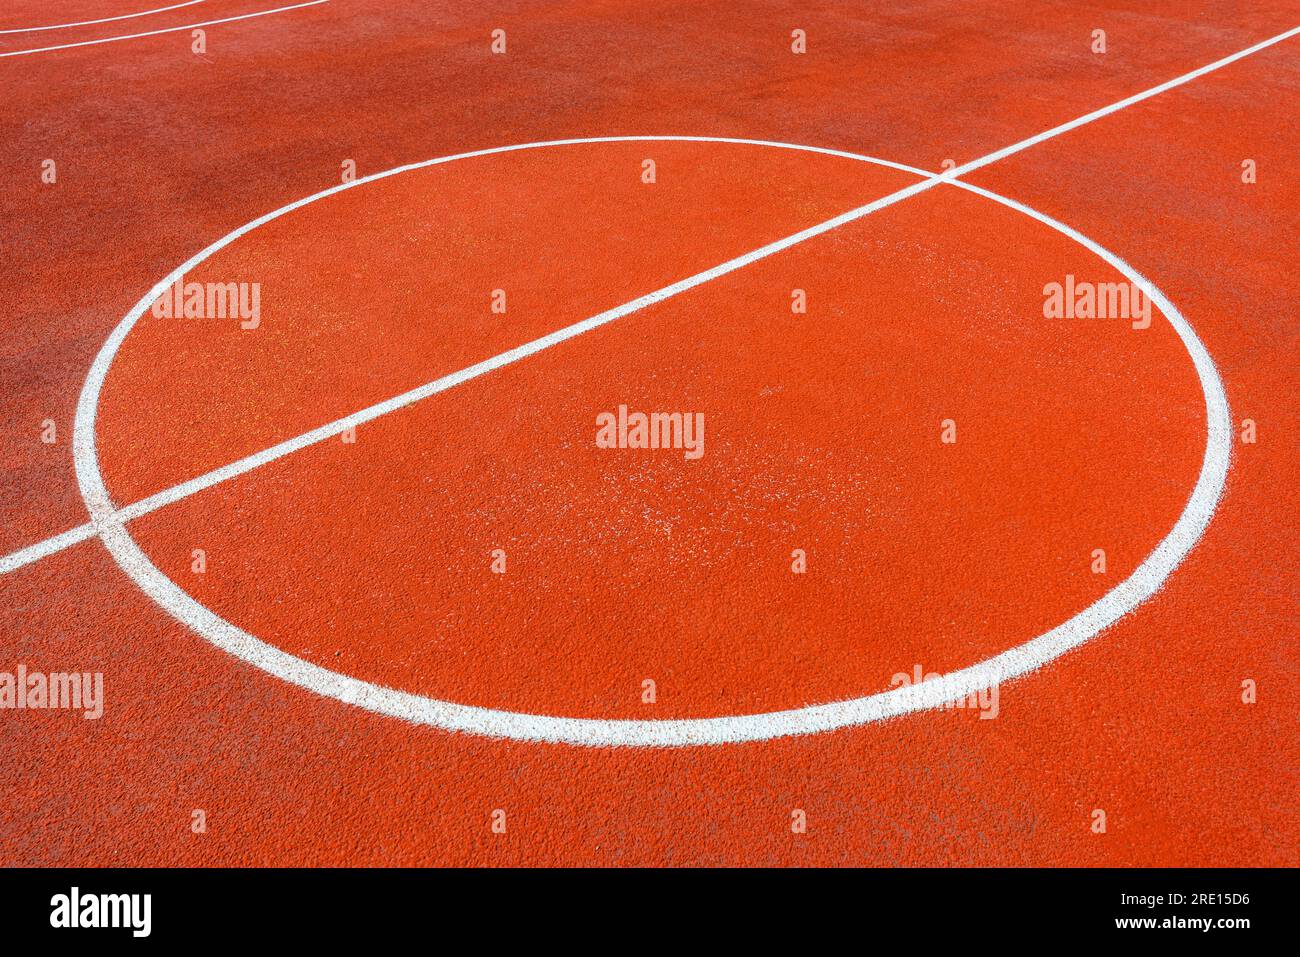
(620,434)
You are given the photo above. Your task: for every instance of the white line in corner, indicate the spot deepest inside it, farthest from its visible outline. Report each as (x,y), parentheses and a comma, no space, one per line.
(151,33)
(88,23)
(1121,104)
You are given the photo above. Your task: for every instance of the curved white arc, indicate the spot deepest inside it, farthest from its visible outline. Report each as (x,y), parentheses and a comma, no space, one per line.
(154,33)
(1017,661)
(89,23)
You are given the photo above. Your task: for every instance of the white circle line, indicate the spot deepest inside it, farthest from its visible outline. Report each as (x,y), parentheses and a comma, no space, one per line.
(87,23)
(1144,582)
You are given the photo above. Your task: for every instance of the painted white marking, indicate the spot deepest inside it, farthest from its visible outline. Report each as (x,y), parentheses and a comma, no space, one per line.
(175,493)
(49,546)
(9,563)
(1120,104)
(154,33)
(1124,598)
(87,23)
(338,426)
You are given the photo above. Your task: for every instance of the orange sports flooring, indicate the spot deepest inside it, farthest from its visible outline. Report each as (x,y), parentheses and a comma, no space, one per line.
(373,558)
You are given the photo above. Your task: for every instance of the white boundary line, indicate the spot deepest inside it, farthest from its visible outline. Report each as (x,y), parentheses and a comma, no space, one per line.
(154,33)
(1137,588)
(87,23)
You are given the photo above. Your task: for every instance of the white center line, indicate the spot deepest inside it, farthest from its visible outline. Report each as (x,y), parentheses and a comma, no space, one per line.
(1121,104)
(177,492)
